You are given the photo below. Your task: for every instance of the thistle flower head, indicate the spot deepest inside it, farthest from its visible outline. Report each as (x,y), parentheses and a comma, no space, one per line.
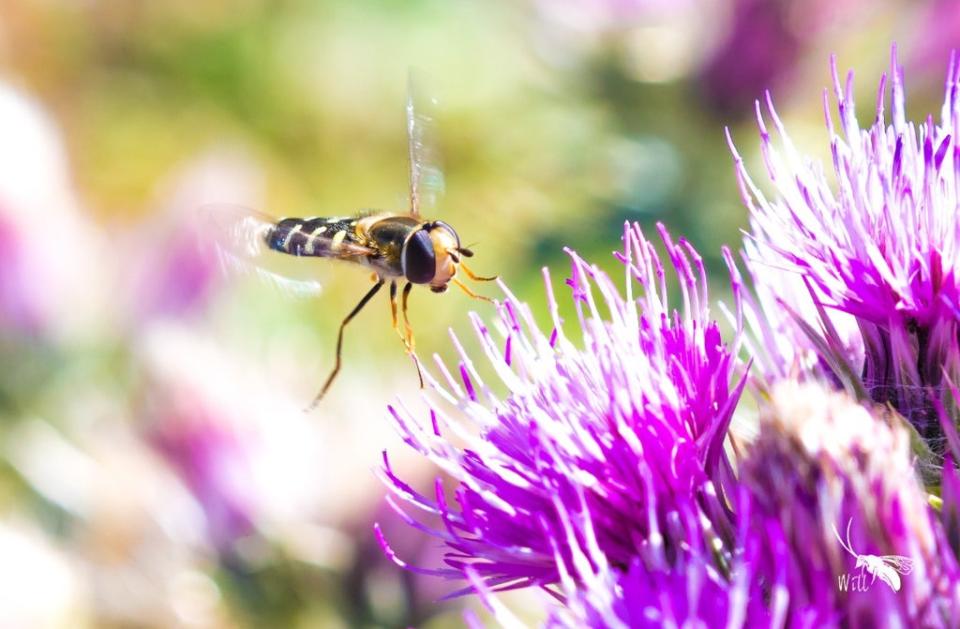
(877,255)
(620,441)
(832,485)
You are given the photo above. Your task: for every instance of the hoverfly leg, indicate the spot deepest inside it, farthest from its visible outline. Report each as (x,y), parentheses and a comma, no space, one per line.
(474,276)
(393,307)
(408,340)
(406,321)
(469,292)
(336,368)
(406,335)
(416,363)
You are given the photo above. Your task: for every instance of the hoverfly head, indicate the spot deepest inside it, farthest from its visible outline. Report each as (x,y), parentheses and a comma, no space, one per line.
(436,247)
(432,255)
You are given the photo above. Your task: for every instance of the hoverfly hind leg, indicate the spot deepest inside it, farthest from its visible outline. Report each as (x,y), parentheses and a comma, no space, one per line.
(336,368)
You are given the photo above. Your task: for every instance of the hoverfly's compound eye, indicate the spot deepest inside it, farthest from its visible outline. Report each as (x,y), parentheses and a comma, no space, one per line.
(418,260)
(448,229)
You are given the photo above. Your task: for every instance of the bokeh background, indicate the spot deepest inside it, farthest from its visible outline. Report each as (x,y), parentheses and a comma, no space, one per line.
(156,467)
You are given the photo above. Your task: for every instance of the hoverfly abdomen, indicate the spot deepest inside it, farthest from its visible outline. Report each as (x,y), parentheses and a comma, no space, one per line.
(318,237)
(287,236)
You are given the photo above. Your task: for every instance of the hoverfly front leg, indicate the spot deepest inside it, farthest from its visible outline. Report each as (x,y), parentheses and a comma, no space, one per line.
(456,254)
(336,368)
(470,293)
(474,276)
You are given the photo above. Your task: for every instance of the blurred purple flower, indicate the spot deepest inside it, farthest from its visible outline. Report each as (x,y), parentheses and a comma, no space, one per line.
(177,275)
(17,310)
(759,51)
(882,251)
(51,272)
(176,266)
(625,435)
(936,35)
(646,40)
(764,43)
(213,459)
(248,459)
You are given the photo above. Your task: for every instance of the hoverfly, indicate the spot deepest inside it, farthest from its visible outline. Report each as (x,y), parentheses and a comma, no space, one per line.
(396,246)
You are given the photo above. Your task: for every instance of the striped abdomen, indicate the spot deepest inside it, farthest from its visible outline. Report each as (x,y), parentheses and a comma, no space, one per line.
(319,237)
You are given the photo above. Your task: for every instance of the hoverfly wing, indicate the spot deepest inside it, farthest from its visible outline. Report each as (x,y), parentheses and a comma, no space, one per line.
(426,177)
(238,237)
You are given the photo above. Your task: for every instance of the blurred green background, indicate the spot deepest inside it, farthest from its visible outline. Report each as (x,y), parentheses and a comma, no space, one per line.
(156,468)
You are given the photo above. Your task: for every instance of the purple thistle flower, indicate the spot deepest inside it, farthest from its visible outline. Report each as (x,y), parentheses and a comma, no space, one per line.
(832,490)
(877,255)
(624,436)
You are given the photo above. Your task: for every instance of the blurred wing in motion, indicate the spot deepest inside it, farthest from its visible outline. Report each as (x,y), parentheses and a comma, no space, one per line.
(238,237)
(426,178)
